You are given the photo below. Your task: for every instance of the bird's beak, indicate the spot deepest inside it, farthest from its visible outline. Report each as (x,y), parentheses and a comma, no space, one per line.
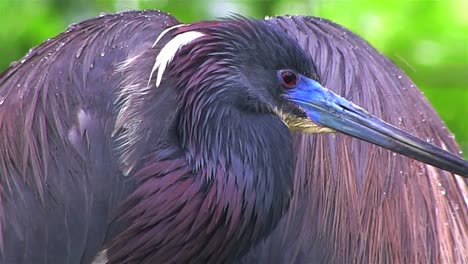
(328,109)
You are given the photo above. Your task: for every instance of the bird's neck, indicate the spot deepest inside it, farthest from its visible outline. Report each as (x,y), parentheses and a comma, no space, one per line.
(215,196)
(247,157)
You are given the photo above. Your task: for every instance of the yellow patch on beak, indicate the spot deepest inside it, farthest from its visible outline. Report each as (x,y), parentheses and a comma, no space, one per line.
(306,126)
(302,124)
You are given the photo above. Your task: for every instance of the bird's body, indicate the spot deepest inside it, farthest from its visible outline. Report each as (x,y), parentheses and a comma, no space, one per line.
(94,158)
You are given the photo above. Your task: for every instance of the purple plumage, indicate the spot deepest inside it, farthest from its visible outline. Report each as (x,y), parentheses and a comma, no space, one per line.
(181,153)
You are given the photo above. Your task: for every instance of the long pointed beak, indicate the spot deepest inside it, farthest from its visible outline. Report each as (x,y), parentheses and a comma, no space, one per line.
(328,109)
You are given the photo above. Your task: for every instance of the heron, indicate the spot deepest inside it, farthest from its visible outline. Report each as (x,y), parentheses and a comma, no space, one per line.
(134,138)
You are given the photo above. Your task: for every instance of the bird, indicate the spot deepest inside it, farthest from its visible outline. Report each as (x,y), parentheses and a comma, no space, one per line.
(135,138)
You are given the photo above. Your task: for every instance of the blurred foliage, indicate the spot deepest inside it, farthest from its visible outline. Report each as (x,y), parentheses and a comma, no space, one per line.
(427,38)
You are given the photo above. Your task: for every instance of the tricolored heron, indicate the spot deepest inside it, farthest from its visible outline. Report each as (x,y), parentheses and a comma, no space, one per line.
(152,141)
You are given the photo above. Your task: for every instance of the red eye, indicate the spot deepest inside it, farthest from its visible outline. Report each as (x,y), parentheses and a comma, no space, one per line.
(289,79)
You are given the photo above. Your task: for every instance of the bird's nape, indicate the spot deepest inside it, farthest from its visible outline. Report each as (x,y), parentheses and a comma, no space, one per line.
(328,109)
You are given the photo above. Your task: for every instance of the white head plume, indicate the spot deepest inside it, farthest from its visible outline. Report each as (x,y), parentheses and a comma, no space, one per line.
(167,53)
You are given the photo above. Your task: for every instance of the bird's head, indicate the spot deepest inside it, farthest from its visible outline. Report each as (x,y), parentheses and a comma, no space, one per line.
(253,66)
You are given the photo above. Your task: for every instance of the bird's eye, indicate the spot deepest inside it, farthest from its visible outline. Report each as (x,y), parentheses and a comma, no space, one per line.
(288,79)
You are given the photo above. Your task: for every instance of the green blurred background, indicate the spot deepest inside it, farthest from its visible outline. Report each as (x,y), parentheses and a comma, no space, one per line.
(427,38)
